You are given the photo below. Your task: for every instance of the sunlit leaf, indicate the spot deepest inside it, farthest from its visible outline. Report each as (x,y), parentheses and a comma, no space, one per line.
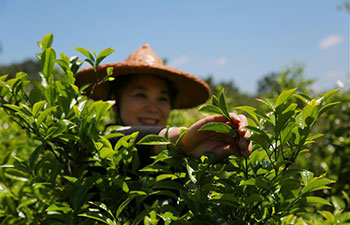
(251,111)
(259,136)
(327,107)
(110,71)
(210,109)
(306,99)
(214,101)
(37,107)
(153,139)
(223,105)
(306,176)
(327,95)
(48,60)
(46,42)
(317,184)
(106,152)
(317,200)
(282,98)
(86,53)
(219,127)
(103,54)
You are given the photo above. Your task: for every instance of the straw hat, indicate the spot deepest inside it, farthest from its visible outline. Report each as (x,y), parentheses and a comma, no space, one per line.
(191,91)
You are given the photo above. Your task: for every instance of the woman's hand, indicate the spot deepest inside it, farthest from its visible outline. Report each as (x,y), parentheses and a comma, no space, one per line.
(194,143)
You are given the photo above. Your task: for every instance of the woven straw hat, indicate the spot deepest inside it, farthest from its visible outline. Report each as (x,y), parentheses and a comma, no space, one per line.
(191,91)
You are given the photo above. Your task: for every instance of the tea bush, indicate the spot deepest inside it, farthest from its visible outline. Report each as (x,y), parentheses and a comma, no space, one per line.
(58,165)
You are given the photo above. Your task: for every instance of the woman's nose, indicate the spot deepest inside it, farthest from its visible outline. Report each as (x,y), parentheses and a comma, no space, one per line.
(152,106)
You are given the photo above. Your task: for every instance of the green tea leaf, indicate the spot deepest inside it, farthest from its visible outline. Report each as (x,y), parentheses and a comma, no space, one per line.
(100,108)
(318,200)
(327,107)
(328,215)
(190,173)
(316,184)
(106,152)
(34,156)
(110,71)
(48,60)
(46,42)
(327,95)
(310,113)
(306,176)
(223,105)
(214,101)
(259,136)
(153,139)
(98,217)
(141,216)
(219,127)
(86,53)
(44,114)
(287,132)
(210,109)
(251,111)
(344,217)
(63,65)
(282,120)
(103,54)
(338,203)
(284,96)
(59,207)
(253,197)
(37,107)
(165,184)
(304,98)
(267,102)
(166,176)
(71,179)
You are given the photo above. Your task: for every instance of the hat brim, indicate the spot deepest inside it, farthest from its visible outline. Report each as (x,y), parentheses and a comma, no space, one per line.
(191,91)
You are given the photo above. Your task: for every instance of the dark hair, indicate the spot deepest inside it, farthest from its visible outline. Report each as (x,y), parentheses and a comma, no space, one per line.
(120,82)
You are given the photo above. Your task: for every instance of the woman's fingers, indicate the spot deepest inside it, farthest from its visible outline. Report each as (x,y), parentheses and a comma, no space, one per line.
(245,147)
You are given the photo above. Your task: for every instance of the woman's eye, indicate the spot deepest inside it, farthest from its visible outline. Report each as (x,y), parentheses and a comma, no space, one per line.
(140,95)
(164,99)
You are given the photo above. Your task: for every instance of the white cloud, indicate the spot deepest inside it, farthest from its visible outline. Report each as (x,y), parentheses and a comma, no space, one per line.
(331,41)
(333,74)
(179,61)
(316,88)
(220,61)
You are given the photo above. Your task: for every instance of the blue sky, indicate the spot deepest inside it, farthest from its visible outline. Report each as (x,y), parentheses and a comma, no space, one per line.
(230,40)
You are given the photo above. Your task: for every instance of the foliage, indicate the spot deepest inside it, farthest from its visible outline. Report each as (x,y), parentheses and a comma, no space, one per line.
(291,77)
(236,97)
(30,66)
(65,169)
(332,153)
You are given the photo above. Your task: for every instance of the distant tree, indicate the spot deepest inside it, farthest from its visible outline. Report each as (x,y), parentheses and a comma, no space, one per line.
(345,5)
(292,77)
(234,96)
(30,66)
(229,86)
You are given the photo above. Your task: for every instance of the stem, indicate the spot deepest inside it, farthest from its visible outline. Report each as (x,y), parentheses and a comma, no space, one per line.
(274,167)
(284,158)
(246,168)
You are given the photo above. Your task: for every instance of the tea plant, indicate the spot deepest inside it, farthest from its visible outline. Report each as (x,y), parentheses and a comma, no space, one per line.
(66,169)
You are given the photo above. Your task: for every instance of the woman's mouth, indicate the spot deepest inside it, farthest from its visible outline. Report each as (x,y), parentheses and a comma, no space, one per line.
(148,121)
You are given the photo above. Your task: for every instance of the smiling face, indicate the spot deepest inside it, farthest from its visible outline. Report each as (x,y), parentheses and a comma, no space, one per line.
(145,102)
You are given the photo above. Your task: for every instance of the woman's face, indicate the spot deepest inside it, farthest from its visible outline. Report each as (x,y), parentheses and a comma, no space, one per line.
(145,102)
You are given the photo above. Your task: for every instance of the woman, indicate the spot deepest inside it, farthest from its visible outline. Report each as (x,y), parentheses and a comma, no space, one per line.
(146,90)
